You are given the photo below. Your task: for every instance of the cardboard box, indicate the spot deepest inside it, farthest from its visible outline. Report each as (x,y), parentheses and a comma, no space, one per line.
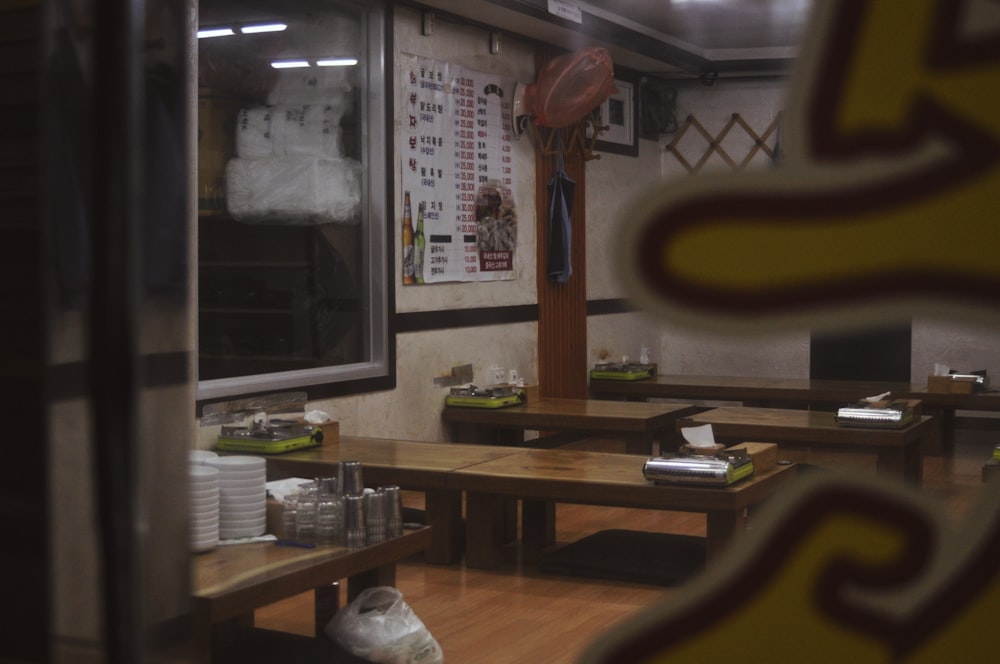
(948,385)
(764,455)
(913,404)
(331,432)
(274,519)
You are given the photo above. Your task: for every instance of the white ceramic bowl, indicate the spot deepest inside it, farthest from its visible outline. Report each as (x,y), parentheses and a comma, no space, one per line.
(210,499)
(238,463)
(199,534)
(204,518)
(236,474)
(203,513)
(242,494)
(225,521)
(208,492)
(254,507)
(240,532)
(205,545)
(200,471)
(242,512)
(201,456)
(203,487)
(200,529)
(242,505)
(226,484)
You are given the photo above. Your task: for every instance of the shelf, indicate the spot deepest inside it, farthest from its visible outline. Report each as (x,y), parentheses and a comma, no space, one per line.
(297,265)
(247,311)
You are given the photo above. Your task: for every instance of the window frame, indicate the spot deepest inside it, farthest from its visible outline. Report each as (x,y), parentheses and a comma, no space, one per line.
(379,371)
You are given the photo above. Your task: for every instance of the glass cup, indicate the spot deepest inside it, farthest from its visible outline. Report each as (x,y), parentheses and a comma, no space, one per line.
(374,516)
(329,519)
(393,506)
(355,535)
(353,483)
(305,512)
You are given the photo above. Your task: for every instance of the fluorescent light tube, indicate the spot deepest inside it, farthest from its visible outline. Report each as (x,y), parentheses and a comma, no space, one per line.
(289,64)
(215,32)
(336,62)
(262,27)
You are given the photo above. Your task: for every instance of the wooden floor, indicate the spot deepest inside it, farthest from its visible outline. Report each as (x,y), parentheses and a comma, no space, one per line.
(515,614)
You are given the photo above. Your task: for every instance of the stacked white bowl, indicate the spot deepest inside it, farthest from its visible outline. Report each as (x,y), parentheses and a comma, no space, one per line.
(201,456)
(242,495)
(204,481)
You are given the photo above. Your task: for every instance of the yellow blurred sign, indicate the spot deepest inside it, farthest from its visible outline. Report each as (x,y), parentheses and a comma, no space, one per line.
(886,193)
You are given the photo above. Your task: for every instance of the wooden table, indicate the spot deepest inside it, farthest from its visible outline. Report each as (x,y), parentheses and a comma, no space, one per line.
(541,478)
(411,465)
(229,582)
(639,424)
(802,392)
(748,390)
(899,450)
(942,405)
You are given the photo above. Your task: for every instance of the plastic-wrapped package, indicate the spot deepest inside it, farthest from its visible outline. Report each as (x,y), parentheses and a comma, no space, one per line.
(381,627)
(310,129)
(294,190)
(253,132)
(279,130)
(322,85)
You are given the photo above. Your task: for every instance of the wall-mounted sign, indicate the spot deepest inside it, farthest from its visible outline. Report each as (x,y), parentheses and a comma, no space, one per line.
(459,220)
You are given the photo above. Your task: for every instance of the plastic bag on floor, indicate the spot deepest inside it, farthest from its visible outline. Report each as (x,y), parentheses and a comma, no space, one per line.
(379,626)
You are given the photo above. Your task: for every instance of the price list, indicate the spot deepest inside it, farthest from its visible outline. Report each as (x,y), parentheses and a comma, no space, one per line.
(456,168)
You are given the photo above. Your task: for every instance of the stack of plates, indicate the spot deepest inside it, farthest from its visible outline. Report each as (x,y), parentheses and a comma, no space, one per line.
(201,456)
(204,507)
(242,495)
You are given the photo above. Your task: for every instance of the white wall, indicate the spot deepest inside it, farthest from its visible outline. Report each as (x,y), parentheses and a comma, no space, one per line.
(614,181)
(938,336)
(412,410)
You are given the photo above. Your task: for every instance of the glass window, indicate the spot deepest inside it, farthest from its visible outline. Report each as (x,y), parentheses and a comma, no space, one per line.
(292,267)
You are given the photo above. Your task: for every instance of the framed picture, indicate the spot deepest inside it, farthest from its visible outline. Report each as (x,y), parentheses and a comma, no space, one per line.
(620,114)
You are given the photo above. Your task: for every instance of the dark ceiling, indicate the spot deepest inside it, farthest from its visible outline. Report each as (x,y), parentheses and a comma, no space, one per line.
(666,37)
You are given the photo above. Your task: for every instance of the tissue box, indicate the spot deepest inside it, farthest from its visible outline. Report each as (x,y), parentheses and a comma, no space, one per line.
(331,432)
(948,385)
(764,455)
(274,518)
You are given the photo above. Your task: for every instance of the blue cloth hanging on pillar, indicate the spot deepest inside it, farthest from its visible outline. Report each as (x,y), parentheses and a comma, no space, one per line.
(561,190)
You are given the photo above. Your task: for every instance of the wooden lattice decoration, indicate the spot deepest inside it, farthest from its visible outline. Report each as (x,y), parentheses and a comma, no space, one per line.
(715,143)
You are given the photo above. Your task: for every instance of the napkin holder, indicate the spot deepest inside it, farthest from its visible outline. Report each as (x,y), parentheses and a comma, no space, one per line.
(622,371)
(721,471)
(496,396)
(687,449)
(880,414)
(274,438)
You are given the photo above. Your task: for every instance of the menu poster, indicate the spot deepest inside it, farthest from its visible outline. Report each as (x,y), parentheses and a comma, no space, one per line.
(459,221)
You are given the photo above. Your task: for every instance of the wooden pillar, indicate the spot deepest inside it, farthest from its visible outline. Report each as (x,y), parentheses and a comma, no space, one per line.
(562,307)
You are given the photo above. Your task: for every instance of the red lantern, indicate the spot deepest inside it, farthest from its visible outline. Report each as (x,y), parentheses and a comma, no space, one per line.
(568,88)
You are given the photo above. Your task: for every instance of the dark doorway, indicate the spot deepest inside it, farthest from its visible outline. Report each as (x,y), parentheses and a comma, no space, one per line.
(877,354)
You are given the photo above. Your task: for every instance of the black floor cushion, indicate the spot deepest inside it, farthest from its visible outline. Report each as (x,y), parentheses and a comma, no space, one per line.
(630,555)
